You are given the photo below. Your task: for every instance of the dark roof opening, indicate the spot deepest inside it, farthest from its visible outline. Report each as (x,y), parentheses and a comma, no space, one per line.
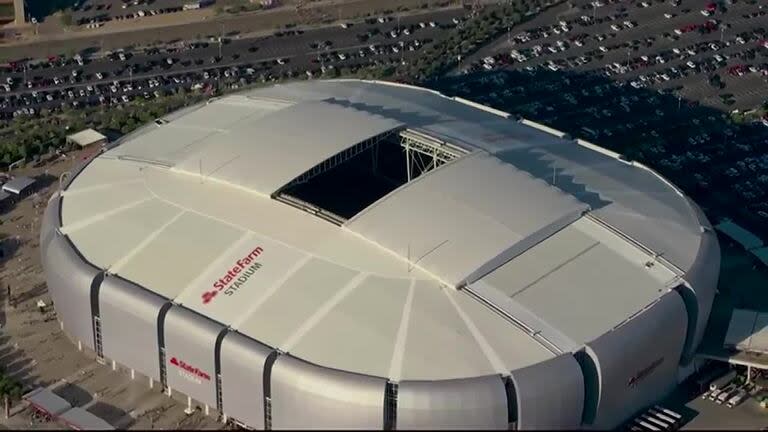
(344,185)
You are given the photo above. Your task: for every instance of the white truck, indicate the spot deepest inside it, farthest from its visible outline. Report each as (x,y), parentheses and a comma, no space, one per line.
(736,399)
(723,381)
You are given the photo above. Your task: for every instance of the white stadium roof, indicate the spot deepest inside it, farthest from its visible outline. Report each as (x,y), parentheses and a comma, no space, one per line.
(393,290)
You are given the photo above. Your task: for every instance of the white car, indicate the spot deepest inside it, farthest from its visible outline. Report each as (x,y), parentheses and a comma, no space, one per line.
(280,61)
(615,27)
(382,20)
(342,56)
(603,49)
(344,25)
(668,16)
(628,24)
(645,4)
(455,21)
(706,13)
(406,32)
(99,75)
(432,24)
(691,65)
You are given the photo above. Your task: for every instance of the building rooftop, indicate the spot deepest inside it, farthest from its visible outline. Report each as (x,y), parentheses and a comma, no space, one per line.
(17,185)
(239,209)
(86,137)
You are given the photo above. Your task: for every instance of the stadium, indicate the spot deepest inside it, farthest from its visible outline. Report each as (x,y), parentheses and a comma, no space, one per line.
(359,254)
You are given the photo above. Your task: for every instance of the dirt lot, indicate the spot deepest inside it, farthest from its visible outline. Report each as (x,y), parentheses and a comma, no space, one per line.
(36,352)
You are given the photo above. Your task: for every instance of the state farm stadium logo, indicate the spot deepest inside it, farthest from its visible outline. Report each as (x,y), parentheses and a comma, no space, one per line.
(642,374)
(235,277)
(188,371)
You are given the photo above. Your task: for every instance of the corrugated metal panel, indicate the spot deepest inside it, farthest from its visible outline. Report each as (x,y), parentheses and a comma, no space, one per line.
(473,403)
(266,154)
(305,396)
(741,327)
(242,378)
(412,222)
(128,316)
(190,339)
(702,279)
(631,375)
(759,340)
(69,279)
(51,221)
(550,394)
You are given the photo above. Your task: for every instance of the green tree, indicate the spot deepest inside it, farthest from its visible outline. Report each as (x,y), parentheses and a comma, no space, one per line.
(10,391)
(66,18)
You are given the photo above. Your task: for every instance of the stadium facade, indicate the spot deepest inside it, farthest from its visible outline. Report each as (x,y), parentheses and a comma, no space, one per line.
(355,254)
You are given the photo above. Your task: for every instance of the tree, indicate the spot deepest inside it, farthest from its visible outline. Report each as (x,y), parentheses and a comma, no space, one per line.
(66,18)
(10,390)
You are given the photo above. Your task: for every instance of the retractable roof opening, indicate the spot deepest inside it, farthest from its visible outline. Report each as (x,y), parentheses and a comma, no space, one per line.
(347,183)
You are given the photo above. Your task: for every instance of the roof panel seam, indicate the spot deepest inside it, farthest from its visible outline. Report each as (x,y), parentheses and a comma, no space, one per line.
(322,312)
(398,353)
(119,264)
(76,226)
(490,354)
(276,285)
(216,262)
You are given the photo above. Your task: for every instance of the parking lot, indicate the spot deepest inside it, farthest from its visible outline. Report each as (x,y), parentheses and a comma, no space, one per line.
(718,57)
(117,77)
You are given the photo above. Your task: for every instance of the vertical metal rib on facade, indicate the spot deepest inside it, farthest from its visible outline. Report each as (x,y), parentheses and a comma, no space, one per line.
(69,279)
(242,378)
(307,396)
(637,363)
(550,394)
(702,280)
(471,403)
(128,316)
(190,340)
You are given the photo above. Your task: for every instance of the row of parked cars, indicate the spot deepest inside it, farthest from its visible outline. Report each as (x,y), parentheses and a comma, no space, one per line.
(726,389)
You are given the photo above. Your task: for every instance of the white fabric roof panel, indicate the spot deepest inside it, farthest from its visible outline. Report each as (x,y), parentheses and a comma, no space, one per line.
(347,297)
(365,323)
(428,218)
(630,198)
(266,154)
(99,169)
(171,257)
(583,280)
(238,277)
(105,241)
(283,309)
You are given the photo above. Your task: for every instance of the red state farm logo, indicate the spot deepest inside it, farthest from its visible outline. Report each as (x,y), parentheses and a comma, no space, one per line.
(189,368)
(237,275)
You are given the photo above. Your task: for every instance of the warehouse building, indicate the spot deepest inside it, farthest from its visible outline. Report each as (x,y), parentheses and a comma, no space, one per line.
(354,254)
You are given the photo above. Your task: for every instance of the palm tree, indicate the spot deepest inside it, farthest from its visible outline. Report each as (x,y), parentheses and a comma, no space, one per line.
(10,390)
